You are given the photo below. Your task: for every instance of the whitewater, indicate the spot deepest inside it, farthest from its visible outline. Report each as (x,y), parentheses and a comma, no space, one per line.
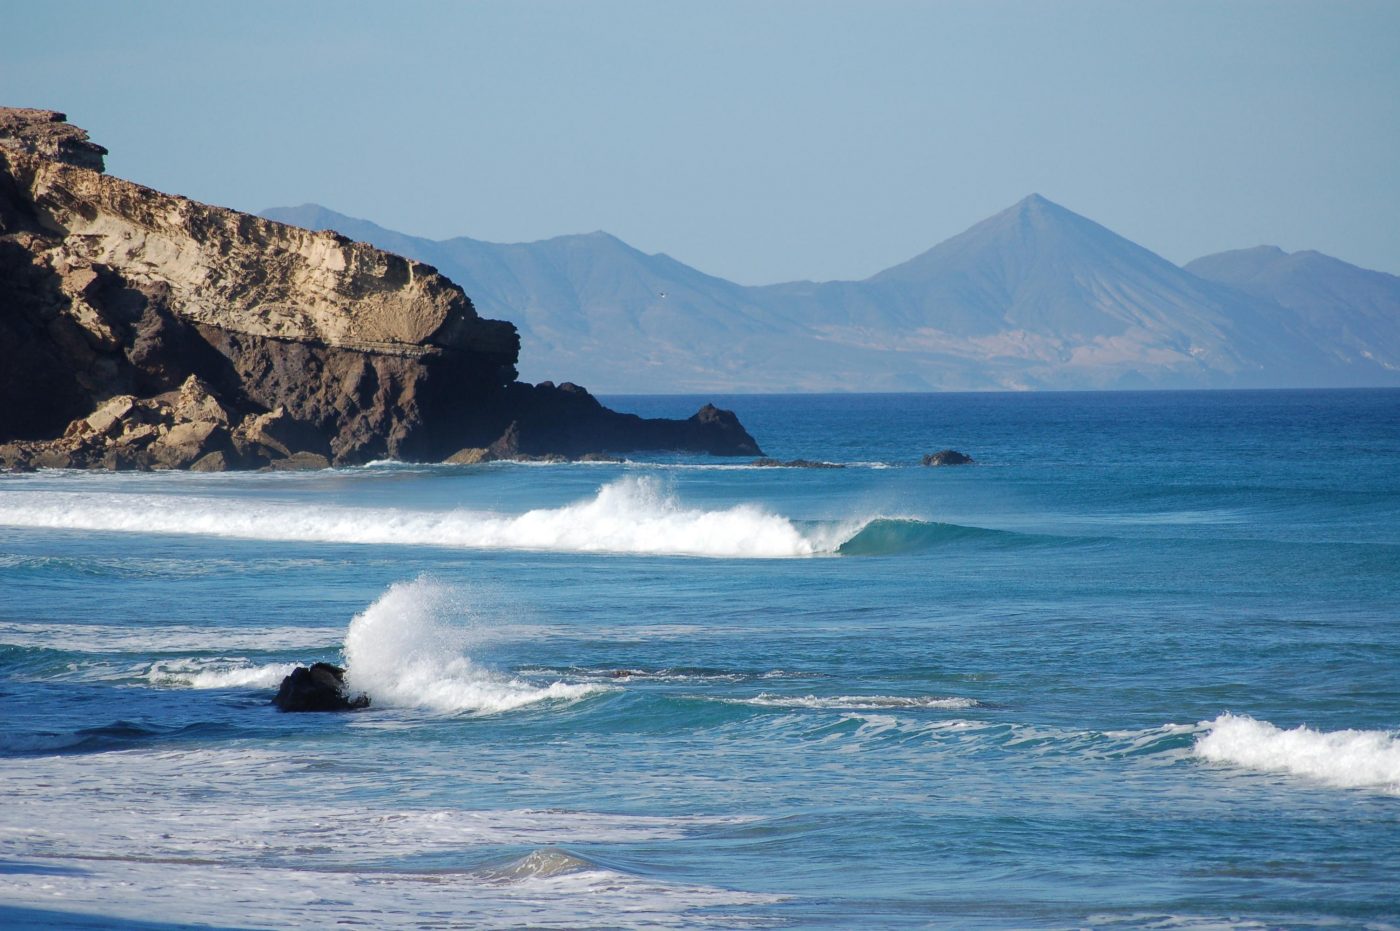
(630,515)
(1134,669)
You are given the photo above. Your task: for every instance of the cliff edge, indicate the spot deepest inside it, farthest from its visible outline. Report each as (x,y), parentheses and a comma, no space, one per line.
(145,330)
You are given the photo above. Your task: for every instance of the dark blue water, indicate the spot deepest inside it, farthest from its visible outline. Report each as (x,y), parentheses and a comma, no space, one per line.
(1137,667)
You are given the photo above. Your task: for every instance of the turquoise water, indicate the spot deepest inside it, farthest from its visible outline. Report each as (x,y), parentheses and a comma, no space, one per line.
(1138,667)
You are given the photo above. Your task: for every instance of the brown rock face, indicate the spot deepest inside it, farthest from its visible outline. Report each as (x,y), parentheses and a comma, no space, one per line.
(297,342)
(47,133)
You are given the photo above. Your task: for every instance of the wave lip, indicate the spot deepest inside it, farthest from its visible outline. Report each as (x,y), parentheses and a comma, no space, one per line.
(1349,759)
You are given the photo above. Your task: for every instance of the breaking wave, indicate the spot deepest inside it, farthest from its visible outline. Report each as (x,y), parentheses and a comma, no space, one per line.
(406,650)
(631,515)
(1347,759)
(403,651)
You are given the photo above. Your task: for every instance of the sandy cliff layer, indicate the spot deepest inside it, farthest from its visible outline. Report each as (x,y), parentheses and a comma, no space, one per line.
(141,329)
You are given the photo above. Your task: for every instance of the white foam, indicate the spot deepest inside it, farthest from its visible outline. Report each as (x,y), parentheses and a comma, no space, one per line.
(406,651)
(213,832)
(168,638)
(218,674)
(857,702)
(1347,759)
(631,515)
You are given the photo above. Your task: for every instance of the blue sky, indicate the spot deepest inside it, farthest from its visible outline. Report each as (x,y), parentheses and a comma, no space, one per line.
(760,141)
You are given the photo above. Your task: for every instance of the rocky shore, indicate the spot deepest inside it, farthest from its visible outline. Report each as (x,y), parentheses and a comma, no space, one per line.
(144,330)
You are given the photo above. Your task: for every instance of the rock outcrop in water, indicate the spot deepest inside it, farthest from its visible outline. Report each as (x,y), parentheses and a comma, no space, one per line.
(321,687)
(947,457)
(795,464)
(145,330)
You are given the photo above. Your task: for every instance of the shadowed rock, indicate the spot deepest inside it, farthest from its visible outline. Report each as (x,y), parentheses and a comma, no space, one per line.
(318,688)
(947,457)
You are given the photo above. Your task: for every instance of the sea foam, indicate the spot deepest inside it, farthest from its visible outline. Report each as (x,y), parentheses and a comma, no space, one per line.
(218,674)
(405,651)
(1347,759)
(634,514)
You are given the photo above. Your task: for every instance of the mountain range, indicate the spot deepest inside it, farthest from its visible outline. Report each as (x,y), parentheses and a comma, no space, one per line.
(1034,297)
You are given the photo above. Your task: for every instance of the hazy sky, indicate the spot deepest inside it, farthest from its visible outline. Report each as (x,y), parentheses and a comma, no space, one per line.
(760,141)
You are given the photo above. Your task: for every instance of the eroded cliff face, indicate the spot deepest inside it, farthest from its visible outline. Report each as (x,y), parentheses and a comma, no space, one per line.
(273,341)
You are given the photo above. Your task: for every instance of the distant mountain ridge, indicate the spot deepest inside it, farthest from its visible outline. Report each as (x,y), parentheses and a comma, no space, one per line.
(1036,296)
(1352,311)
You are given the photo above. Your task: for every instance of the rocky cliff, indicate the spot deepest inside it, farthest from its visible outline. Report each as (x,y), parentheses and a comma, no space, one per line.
(140,329)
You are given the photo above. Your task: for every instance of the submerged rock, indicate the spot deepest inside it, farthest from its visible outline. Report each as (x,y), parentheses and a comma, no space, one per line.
(318,688)
(947,457)
(795,464)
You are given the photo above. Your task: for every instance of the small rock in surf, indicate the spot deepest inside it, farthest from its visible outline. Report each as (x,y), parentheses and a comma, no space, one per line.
(320,688)
(947,457)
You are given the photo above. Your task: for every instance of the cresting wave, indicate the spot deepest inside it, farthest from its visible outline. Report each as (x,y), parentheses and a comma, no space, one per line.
(630,515)
(633,515)
(1348,759)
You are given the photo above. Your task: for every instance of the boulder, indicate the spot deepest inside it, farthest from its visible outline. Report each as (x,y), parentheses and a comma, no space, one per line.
(469,455)
(53,459)
(196,402)
(947,457)
(108,419)
(187,443)
(318,688)
(14,457)
(127,460)
(217,461)
(300,462)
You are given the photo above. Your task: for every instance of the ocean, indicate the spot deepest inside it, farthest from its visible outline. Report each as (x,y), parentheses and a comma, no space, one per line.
(1138,667)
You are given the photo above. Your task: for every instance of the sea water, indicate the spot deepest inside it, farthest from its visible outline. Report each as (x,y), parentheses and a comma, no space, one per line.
(1137,667)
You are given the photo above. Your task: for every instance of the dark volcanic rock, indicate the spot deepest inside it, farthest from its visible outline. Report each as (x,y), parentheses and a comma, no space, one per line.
(555,423)
(319,688)
(795,464)
(947,457)
(305,348)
